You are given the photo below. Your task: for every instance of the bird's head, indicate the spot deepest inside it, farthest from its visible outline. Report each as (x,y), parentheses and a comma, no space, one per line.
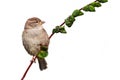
(33,22)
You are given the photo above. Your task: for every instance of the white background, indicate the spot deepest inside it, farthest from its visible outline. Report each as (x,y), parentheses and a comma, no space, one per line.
(89,51)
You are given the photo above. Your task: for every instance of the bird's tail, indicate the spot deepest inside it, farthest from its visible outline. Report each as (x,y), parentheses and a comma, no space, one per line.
(42,63)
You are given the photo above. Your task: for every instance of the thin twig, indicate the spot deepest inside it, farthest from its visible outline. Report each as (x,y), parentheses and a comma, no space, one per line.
(64,22)
(34,57)
(33,60)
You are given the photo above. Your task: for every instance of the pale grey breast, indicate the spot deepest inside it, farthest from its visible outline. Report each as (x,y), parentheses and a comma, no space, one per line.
(33,39)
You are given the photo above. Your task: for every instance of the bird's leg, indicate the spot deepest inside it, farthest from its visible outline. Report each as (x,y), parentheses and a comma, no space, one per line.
(33,59)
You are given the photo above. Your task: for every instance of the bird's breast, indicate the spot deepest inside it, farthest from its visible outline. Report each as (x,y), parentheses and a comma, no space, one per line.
(33,38)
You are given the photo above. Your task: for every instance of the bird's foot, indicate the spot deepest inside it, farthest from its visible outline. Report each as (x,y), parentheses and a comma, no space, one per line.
(33,59)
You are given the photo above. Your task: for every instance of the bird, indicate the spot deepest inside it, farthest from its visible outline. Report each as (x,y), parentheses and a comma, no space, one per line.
(34,36)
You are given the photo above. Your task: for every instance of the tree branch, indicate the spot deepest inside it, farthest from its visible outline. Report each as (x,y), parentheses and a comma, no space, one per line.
(33,60)
(34,57)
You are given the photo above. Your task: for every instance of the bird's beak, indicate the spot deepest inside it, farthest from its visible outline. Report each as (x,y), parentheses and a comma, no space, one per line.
(43,22)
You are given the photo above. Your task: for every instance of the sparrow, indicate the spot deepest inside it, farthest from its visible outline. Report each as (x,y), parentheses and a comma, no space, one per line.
(34,37)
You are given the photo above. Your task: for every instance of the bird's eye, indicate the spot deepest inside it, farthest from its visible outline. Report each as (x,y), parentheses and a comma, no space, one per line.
(36,21)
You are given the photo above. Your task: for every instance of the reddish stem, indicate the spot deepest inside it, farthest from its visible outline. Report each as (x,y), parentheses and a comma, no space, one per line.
(34,57)
(51,35)
(33,60)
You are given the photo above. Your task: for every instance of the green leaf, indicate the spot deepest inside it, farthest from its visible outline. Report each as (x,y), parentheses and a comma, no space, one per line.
(96,4)
(86,8)
(71,18)
(77,13)
(56,29)
(103,1)
(89,8)
(42,54)
(68,23)
(62,29)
